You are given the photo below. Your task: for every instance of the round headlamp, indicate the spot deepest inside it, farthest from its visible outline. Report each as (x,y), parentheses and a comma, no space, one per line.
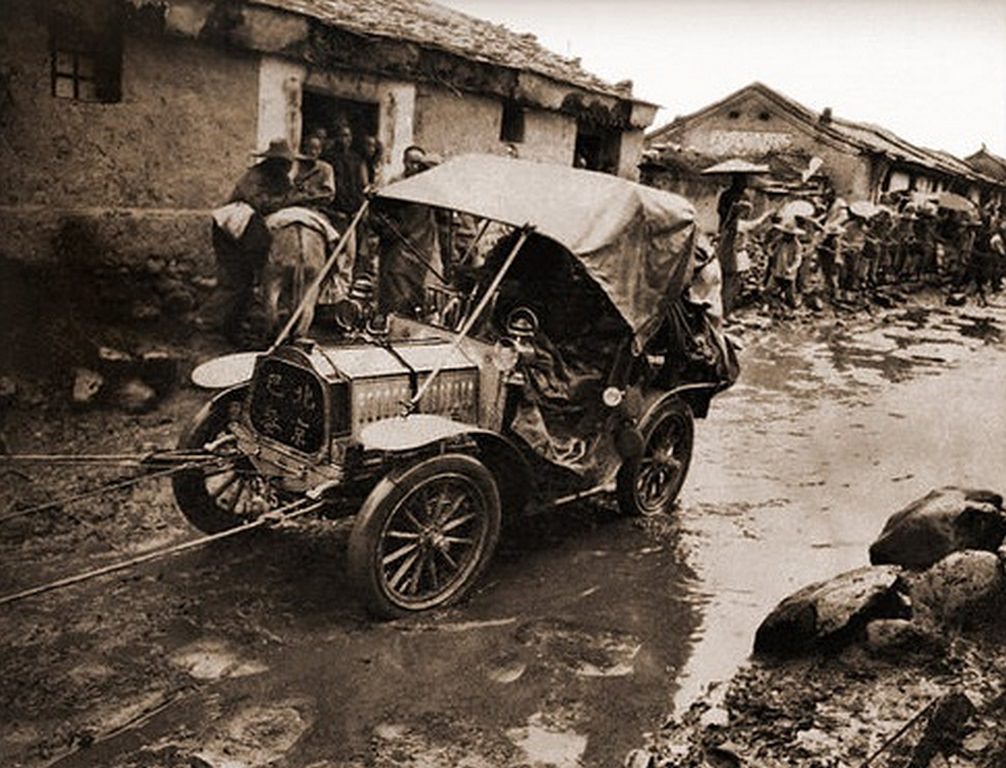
(505,355)
(612,397)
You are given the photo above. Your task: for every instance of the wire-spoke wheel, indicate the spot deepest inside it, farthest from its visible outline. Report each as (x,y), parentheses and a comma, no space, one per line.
(219,496)
(423,537)
(650,485)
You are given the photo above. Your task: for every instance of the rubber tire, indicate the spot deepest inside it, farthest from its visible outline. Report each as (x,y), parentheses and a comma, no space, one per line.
(189,486)
(364,540)
(625,488)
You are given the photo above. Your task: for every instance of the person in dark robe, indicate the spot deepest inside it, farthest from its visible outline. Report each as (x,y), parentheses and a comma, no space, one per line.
(350,176)
(410,246)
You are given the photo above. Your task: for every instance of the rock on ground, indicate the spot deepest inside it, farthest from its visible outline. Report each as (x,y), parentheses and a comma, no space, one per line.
(829,613)
(962,588)
(134,396)
(894,637)
(945,520)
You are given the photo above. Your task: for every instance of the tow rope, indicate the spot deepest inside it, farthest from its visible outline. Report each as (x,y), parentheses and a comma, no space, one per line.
(277,516)
(103,489)
(176,461)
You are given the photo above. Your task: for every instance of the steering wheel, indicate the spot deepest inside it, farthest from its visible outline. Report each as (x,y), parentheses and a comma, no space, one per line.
(522,322)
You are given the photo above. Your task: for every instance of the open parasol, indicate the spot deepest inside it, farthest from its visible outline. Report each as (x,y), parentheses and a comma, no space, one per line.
(951,201)
(795,208)
(864,209)
(736,165)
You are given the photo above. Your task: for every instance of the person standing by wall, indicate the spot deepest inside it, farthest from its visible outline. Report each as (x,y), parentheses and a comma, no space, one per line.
(726,251)
(740,260)
(314,177)
(853,242)
(410,250)
(350,176)
(373,156)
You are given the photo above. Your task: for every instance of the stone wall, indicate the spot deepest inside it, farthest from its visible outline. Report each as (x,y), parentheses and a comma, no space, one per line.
(112,199)
(178,137)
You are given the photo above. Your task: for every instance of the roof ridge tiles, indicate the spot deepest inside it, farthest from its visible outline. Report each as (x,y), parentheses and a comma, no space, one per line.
(432,25)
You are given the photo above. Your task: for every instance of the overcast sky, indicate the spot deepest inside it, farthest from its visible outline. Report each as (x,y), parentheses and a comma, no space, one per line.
(933,71)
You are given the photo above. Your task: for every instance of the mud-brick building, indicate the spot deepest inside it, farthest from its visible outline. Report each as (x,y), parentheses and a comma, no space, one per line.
(991,165)
(123,122)
(861,161)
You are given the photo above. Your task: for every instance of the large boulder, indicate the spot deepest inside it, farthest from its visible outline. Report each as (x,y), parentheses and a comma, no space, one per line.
(962,588)
(830,613)
(943,521)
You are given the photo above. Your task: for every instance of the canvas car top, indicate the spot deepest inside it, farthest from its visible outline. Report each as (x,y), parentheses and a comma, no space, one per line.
(635,241)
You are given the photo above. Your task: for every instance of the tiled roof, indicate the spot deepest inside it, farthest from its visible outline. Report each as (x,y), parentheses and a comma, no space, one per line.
(877,139)
(983,156)
(434,26)
(865,136)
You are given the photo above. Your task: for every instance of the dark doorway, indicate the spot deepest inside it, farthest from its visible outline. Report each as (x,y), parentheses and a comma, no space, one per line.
(597,148)
(321,110)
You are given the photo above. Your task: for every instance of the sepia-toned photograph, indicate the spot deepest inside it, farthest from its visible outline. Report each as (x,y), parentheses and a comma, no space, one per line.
(502,384)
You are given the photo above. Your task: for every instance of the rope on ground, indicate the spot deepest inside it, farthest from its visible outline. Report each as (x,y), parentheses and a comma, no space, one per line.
(281,514)
(107,459)
(92,492)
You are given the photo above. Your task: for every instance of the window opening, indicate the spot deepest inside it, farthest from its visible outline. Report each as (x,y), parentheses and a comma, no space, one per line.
(597,147)
(86,54)
(512,123)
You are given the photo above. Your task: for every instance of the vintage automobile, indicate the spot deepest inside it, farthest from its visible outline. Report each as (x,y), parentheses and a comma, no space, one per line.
(571,362)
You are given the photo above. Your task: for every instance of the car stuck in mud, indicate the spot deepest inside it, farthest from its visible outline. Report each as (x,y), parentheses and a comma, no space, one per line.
(570,362)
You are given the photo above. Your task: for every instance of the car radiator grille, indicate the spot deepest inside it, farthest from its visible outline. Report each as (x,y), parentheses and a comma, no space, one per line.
(453,394)
(288,405)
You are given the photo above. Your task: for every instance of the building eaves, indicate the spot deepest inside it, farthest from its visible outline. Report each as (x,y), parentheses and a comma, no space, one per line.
(793,109)
(883,141)
(429,25)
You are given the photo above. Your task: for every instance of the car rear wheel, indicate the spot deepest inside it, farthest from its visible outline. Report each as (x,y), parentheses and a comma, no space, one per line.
(650,484)
(219,497)
(424,536)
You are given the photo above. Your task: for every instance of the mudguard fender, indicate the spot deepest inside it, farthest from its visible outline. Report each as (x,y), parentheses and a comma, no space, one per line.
(226,371)
(696,395)
(420,430)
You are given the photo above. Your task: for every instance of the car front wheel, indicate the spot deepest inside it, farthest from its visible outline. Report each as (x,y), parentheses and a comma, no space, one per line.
(215,498)
(423,536)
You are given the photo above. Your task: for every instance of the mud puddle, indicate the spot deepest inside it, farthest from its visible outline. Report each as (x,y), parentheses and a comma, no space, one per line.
(793,481)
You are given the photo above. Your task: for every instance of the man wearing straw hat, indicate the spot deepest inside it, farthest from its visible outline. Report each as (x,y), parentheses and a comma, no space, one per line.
(241,240)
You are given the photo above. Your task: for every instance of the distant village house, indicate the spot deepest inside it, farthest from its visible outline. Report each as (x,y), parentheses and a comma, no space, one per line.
(860,161)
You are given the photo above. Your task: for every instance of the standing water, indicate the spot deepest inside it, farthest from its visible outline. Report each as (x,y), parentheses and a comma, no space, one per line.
(825,436)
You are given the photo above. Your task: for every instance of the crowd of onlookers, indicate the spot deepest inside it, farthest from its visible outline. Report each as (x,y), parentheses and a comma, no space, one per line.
(828,250)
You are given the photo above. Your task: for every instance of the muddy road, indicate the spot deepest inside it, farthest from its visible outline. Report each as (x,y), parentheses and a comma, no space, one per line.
(587,631)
